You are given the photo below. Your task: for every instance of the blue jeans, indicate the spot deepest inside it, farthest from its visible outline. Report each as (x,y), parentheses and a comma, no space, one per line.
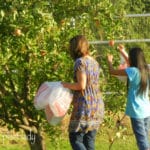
(82,141)
(141,130)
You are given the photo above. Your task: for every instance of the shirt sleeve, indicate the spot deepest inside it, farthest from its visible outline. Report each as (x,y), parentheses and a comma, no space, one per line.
(131,72)
(79,66)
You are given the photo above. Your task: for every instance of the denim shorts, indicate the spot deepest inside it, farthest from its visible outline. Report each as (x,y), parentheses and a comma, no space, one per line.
(141,130)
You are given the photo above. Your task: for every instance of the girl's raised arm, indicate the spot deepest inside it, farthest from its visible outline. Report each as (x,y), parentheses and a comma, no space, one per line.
(123,53)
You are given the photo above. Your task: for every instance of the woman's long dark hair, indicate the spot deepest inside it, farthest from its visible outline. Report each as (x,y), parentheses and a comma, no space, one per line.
(137,59)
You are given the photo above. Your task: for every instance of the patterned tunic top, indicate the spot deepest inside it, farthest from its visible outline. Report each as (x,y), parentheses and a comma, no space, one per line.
(88,107)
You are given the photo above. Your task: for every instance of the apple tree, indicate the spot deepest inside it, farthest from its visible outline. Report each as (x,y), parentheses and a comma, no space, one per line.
(29,55)
(34,39)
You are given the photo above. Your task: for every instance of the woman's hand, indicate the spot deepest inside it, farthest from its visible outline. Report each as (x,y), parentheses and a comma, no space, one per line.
(79,85)
(64,84)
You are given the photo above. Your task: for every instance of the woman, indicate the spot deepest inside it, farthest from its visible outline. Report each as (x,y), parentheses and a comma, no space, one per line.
(138,104)
(88,107)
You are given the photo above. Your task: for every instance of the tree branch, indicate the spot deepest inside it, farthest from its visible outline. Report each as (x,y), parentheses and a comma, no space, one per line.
(28,128)
(12,86)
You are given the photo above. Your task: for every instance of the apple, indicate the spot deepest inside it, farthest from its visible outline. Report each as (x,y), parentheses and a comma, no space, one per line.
(111,139)
(62,22)
(111,42)
(43,52)
(118,134)
(97,22)
(17,32)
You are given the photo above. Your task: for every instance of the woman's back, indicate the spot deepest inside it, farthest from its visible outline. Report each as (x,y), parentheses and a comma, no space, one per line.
(88,106)
(91,68)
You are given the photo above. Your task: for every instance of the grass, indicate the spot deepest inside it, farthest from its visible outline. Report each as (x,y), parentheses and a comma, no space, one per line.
(10,140)
(16,142)
(102,143)
(125,143)
(106,137)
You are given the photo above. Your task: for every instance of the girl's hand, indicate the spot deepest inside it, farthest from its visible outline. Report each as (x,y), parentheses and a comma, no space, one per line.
(110,58)
(121,47)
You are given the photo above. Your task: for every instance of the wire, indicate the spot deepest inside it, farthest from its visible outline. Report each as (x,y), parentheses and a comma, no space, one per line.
(120,41)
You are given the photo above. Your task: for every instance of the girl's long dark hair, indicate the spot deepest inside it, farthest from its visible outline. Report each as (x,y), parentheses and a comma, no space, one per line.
(137,59)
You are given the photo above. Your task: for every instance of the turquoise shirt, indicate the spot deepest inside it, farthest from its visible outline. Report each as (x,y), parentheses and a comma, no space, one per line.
(138,105)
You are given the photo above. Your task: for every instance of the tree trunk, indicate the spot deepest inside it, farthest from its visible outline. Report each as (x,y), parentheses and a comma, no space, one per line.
(35,140)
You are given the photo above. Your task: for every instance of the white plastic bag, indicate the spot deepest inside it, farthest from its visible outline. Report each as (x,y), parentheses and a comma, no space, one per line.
(54,99)
(45,93)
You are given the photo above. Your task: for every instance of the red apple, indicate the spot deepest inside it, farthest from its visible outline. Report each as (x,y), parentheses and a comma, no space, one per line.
(62,22)
(111,42)
(111,139)
(43,52)
(97,22)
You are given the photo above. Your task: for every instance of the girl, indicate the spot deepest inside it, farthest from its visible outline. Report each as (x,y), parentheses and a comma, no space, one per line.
(88,107)
(138,104)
